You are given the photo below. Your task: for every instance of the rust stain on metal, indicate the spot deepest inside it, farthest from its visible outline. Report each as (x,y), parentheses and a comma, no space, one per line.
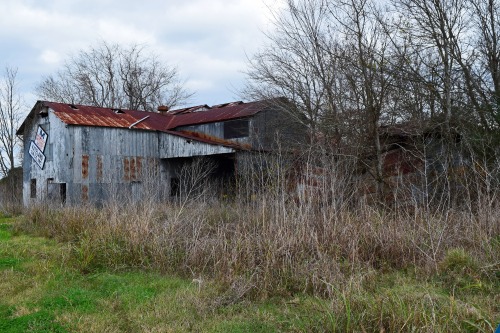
(133,170)
(85,166)
(99,169)
(126,169)
(85,193)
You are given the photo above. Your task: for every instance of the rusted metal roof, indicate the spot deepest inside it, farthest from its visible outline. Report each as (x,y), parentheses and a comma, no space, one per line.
(83,115)
(107,117)
(228,112)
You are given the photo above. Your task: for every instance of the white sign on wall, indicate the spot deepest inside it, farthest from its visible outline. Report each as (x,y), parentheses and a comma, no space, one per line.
(41,138)
(37,154)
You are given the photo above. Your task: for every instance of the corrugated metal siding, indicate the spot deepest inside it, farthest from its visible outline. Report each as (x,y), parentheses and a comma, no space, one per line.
(90,160)
(173,146)
(109,148)
(217,130)
(55,167)
(103,159)
(213,129)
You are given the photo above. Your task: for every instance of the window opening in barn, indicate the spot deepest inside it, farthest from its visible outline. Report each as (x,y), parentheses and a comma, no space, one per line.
(175,189)
(62,192)
(33,188)
(238,128)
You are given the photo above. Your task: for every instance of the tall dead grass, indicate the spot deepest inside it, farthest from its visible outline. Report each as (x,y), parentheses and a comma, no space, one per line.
(309,231)
(319,238)
(272,243)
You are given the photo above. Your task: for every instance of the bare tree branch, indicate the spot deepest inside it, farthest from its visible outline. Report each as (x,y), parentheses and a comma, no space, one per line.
(10,117)
(110,75)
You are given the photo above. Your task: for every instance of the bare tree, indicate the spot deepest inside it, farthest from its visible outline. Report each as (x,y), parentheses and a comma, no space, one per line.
(333,60)
(368,71)
(436,30)
(110,75)
(482,67)
(10,116)
(297,63)
(352,66)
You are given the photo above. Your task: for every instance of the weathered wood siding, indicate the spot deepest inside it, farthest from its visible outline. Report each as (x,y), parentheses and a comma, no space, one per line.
(274,127)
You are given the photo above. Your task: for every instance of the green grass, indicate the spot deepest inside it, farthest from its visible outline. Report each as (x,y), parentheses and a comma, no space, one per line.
(44,290)
(39,321)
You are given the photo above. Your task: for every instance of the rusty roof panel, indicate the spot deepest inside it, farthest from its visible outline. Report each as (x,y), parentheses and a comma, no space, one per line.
(107,117)
(83,115)
(217,114)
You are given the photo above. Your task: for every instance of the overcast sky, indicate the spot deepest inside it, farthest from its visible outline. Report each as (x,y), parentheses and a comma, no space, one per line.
(208,40)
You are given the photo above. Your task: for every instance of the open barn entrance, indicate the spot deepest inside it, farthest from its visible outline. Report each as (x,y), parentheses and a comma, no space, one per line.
(194,176)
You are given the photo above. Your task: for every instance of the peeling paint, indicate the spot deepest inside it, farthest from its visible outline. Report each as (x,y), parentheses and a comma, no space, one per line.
(133,170)
(85,166)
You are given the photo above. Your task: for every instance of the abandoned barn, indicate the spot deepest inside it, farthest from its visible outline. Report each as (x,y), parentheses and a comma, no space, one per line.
(76,154)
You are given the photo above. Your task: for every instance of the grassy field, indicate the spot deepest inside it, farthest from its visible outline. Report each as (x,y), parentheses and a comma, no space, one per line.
(44,289)
(42,292)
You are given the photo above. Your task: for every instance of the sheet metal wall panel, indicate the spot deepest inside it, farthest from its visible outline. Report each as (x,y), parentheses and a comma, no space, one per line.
(173,146)
(213,129)
(55,167)
(80,152)
(101,150)
(217,130)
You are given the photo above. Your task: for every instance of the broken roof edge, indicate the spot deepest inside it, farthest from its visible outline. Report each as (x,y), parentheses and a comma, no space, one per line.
(222,112)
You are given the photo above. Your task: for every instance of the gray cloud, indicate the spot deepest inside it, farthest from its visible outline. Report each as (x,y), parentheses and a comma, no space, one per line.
(206,40)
